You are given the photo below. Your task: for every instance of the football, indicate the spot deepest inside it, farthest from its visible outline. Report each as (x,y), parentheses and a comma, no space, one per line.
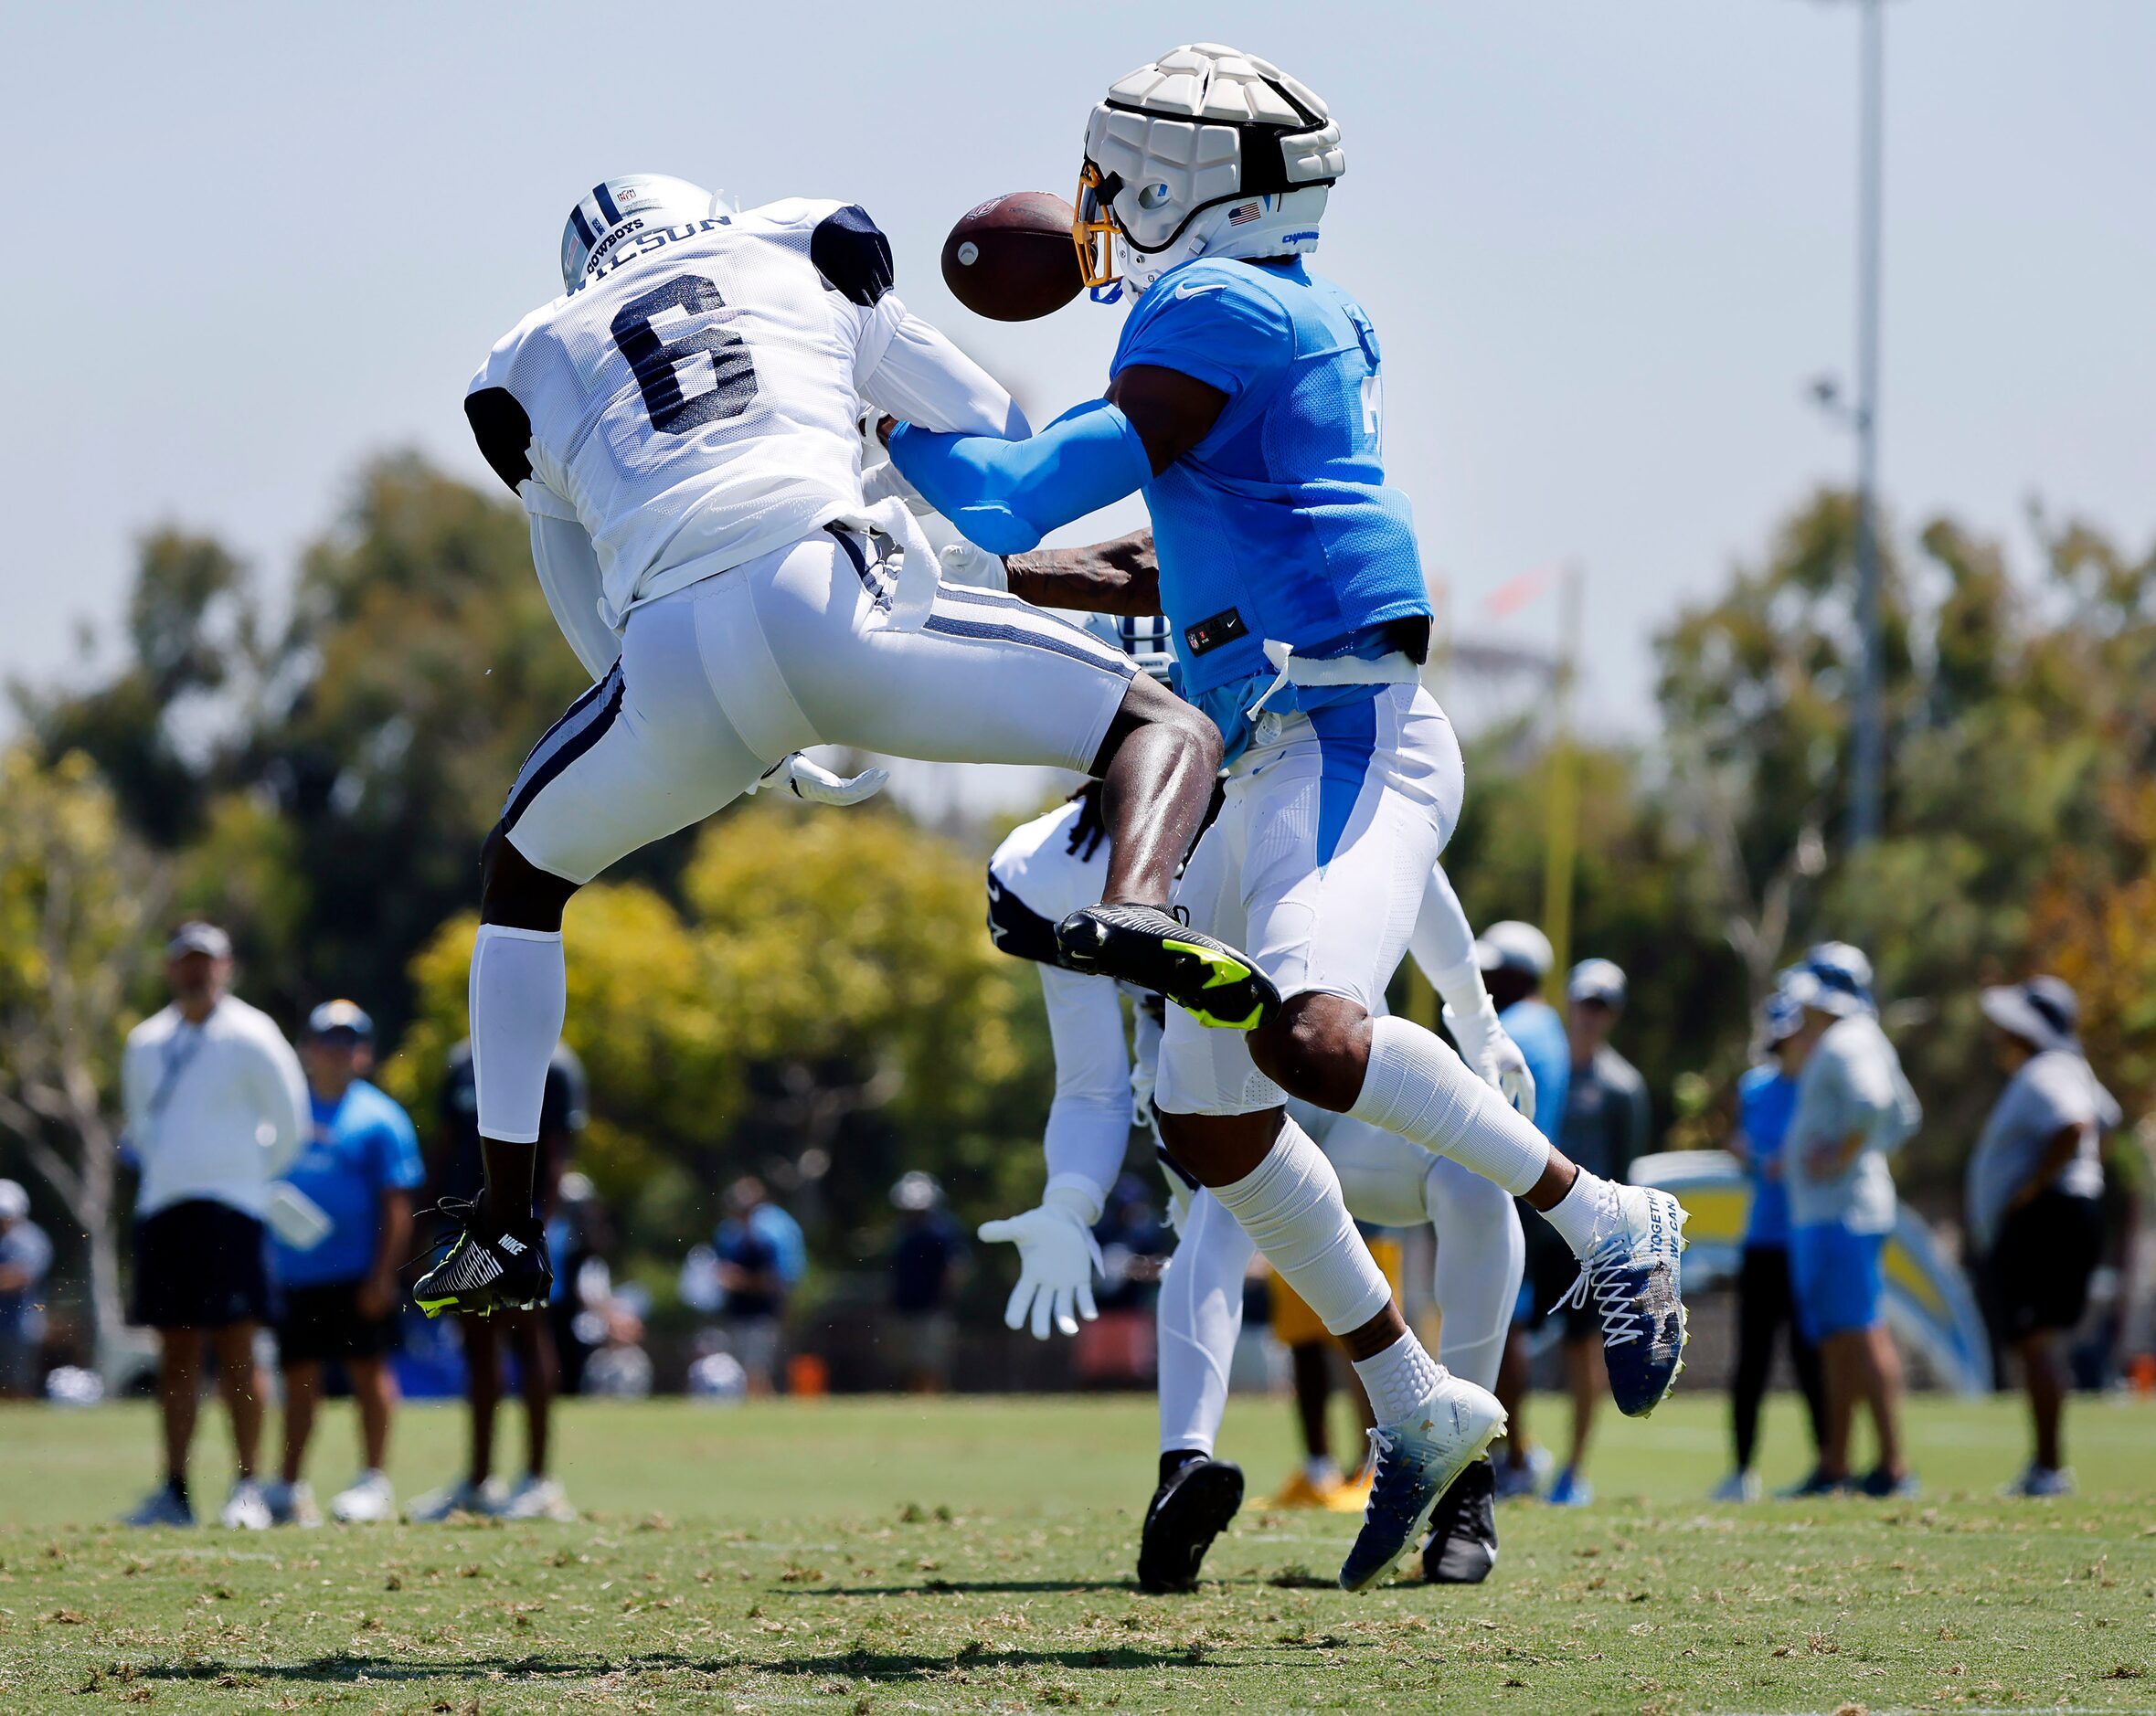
(1012,259)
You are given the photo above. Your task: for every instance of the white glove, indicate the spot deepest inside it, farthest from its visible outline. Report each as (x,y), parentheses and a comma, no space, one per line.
(1488,1047)
(1057,1257)
(817,785)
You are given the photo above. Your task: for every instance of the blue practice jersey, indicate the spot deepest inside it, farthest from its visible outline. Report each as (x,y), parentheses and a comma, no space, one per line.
(1539,1031)
(1766,1100)
(1279,523)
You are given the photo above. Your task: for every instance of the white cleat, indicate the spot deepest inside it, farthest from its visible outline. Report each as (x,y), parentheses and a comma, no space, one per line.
(1416,1461)
(537,1498)
(292,1504)
(1631,1279)
(368,1501)
(246,1509)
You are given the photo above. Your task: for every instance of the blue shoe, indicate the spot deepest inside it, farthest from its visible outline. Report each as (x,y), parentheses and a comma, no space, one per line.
(1515,1481)
(1416,1461)
(1816,1485)
(1570,1491)
(1882,1485)
(1630,1277)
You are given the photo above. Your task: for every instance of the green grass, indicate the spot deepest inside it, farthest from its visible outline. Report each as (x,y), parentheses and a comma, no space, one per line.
(893,1556)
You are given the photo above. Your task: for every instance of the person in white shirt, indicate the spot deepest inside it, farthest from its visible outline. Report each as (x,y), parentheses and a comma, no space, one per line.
(217,1108)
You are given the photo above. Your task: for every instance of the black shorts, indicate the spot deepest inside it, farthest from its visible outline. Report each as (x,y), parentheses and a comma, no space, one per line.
(199,1264)
(1551,1271)
(319,1323)
(2040,1265)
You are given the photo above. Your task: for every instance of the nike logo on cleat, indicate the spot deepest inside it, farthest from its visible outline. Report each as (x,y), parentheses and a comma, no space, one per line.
(516,1247)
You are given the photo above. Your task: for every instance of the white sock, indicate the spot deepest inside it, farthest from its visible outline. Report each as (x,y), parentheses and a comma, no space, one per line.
(1399,1379)
(1584,1212)
(1416,1085)
(518,998)
(1291,1206)
(1200,1314)
(1320,1470)
(1481,1254)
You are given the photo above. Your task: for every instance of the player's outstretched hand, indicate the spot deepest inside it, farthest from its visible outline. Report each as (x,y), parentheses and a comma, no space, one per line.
(1057,1257)
(1488,1047)
(818,785)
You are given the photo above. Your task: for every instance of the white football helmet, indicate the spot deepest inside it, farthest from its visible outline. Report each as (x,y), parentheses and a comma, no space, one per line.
(1206,152)
(1146,639)
(617,208)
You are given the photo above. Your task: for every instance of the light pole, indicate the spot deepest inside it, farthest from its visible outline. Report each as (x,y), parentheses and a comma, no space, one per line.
(1869,741)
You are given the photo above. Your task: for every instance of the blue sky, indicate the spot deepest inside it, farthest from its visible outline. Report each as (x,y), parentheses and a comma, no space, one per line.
(1605,246)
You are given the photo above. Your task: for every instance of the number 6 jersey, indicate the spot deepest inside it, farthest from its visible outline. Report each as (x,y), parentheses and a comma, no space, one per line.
(694,402)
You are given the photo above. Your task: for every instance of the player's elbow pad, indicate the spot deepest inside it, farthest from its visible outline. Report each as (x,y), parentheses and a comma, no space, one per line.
(1007,495)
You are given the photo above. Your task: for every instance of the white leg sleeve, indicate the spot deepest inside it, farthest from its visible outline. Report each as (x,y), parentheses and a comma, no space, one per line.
(1291,1206)
(1382,1176)
(1416,1085)
(1481,1255)
(518,997)
(1201,1313)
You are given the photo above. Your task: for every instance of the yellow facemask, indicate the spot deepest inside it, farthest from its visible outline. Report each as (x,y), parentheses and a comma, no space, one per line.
(1093,230)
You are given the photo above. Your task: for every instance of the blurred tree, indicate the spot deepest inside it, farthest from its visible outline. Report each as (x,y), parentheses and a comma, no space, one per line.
(78,905)
(191,634)
(1644,898)
(421,665)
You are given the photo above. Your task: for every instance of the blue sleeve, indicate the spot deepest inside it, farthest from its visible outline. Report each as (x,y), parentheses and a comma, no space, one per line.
(1007,495)
(1224,332)
(397,1167)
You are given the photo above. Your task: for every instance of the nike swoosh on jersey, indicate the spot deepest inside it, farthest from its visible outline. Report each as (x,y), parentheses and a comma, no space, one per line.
(1191,288)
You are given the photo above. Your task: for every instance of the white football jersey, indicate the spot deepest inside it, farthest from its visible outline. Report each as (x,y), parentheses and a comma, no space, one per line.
(695,401)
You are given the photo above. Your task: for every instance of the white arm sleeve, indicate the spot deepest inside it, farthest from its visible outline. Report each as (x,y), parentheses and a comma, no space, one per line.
(1090,1120)
(569,573)
(918,375)
(1443,945)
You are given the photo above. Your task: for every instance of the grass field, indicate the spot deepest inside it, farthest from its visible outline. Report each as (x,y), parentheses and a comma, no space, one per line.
(886,1555)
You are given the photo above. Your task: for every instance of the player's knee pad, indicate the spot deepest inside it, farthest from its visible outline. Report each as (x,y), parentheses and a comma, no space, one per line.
(514,891)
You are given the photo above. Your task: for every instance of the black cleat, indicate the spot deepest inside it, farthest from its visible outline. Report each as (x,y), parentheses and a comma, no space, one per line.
(1152,950)
(1188,1512)
(1462,1546)
(507,1271)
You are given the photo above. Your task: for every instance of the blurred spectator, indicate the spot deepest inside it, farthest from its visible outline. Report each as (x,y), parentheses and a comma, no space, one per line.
(1603,1124)
(1134,1248)
(1516,959)
(928,1266)
(579,1240)
(1854,1109)
(2035,1198)
(620,1369)
(339,1290)
(752,1274)
(217,1107)
(24,1257)
(1765,1309)
(459,1171)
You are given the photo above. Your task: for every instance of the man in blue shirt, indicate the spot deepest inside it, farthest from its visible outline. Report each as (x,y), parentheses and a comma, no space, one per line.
(1516,959)
(25,1254)
(353,1184)
(1766,1305)
(752,1270)
(1244,400)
